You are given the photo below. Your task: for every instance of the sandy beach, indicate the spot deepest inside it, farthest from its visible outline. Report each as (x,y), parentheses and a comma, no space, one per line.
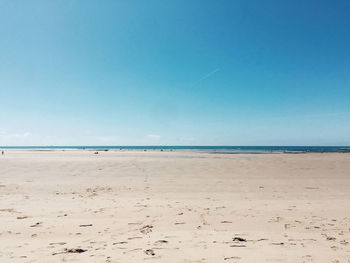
(131,206)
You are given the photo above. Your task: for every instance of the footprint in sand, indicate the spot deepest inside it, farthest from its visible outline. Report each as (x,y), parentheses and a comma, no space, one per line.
(238,242)
(146,229)
(150,252)
(85,225)
(131,238)
(121,242)
(239,239)
(22,217)
(36,224)
(71,250)
(233,258)
(159,242)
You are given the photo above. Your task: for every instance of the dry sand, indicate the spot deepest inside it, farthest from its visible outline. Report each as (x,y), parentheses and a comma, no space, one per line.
(77,206)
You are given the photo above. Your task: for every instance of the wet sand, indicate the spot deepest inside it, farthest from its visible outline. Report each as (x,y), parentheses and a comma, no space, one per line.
(77,206)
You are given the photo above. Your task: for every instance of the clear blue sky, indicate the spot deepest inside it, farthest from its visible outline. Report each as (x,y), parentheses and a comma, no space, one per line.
(184,72)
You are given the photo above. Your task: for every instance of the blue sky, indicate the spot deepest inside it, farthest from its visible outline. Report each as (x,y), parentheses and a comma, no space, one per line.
(160,72)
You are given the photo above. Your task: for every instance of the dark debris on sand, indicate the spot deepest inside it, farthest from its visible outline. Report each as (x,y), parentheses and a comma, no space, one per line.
(150,252)
(239,239)
(71,250)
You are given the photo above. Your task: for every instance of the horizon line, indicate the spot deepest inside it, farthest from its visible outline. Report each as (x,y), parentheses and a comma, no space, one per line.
(23,146)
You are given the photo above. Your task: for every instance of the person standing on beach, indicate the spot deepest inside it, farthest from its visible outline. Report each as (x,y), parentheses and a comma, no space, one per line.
(2,152)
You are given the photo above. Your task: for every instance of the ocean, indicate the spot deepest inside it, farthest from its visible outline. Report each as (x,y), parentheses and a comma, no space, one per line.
(211,149)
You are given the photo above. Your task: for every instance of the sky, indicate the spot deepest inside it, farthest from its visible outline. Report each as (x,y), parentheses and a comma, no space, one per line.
(184,72)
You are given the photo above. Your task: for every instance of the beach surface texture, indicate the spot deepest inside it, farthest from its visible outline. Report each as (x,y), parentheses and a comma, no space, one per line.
(179,206)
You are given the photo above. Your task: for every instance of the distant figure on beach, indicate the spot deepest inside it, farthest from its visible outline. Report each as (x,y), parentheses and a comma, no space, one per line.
(2,152)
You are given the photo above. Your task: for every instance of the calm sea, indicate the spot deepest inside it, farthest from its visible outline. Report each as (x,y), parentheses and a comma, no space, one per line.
(212,149)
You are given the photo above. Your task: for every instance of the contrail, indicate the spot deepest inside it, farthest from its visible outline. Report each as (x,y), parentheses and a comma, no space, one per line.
(211,73)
